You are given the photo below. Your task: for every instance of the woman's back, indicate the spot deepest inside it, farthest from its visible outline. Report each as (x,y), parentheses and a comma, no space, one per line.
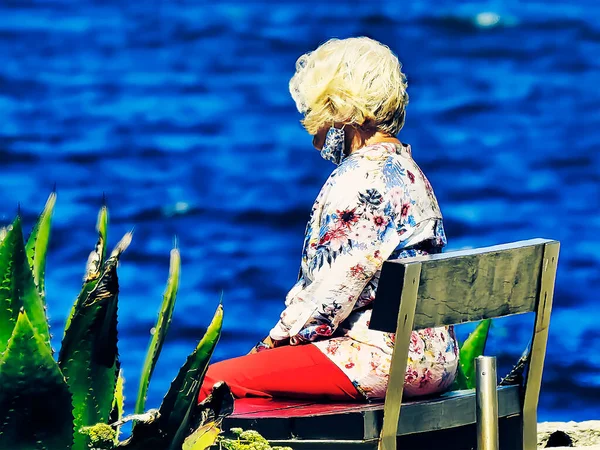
(376,203)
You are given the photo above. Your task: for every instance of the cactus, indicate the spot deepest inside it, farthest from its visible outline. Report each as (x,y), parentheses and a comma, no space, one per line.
(85,386)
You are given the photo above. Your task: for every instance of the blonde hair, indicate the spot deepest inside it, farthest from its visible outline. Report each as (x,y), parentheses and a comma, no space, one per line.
(356,81)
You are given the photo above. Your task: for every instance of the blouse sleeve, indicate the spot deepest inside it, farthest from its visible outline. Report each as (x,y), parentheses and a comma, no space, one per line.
(358,233)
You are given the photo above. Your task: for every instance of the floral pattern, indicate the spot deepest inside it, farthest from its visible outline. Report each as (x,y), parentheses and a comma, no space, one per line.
(376,205)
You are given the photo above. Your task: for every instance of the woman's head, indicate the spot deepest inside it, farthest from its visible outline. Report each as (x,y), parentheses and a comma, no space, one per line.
(355,81)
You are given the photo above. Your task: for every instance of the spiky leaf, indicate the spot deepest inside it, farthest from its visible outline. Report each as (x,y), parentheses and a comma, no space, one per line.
(94,264)
(35,403)
(10,300)
(88,356)
(119,400)
(160,330)
(173,423)
(517,373)
(118,407)
(473,347)
(182,396)
(17,288)
(37,244)
(102,228)
(203,438)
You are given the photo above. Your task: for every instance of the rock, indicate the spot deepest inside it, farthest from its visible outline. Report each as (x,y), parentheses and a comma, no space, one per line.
(593,447)
(584,435)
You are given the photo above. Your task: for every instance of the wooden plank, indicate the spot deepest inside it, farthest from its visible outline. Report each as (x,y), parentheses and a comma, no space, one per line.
(464,286)
(459,438)
(352,424)
(456,409)
(271,428)
(538,346)
(404,327)
(462,438)
(363,422)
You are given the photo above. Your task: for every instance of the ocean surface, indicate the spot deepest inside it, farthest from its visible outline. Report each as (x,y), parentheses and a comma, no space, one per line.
(179,113)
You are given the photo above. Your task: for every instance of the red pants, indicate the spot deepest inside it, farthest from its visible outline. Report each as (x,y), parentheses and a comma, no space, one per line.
(292,371)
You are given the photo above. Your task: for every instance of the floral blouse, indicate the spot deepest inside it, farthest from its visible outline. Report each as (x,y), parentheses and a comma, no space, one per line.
(376,205)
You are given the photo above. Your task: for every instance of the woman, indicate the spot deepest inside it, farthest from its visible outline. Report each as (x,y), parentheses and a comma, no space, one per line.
(376,205)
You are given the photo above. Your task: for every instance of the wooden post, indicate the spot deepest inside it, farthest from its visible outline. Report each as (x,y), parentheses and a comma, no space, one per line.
(538,347)
(404,327)
(486,402)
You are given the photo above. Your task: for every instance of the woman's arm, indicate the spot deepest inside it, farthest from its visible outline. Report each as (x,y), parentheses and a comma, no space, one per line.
(359,232)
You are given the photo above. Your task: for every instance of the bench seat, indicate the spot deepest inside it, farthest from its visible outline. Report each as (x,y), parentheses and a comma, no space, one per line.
(285,422)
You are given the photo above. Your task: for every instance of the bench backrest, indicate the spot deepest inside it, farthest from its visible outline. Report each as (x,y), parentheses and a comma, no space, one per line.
(465,286)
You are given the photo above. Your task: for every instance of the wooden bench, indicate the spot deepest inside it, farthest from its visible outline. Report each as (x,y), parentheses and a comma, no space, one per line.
(415,293)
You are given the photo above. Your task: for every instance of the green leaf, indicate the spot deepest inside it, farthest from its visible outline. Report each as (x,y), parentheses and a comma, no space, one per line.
(87,288)
(460,381)
(473,347)
(37,244)
(17,288)
(102,228)
(88,356)
(173,424)
(96,261)
(203,438)
(176,408)
(119,401)
(35,403)
(160,330)
(118,407)
(94,264)
(10,300)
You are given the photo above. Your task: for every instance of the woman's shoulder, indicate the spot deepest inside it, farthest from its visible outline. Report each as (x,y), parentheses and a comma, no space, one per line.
(384,167)
(401,171)
(388,164)
(374,167)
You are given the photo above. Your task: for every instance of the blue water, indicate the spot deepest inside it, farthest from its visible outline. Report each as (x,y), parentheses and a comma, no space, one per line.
(179,113)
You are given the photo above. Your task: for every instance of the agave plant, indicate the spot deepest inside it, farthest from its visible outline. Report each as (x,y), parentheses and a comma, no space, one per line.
(76,402)
(473,347)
